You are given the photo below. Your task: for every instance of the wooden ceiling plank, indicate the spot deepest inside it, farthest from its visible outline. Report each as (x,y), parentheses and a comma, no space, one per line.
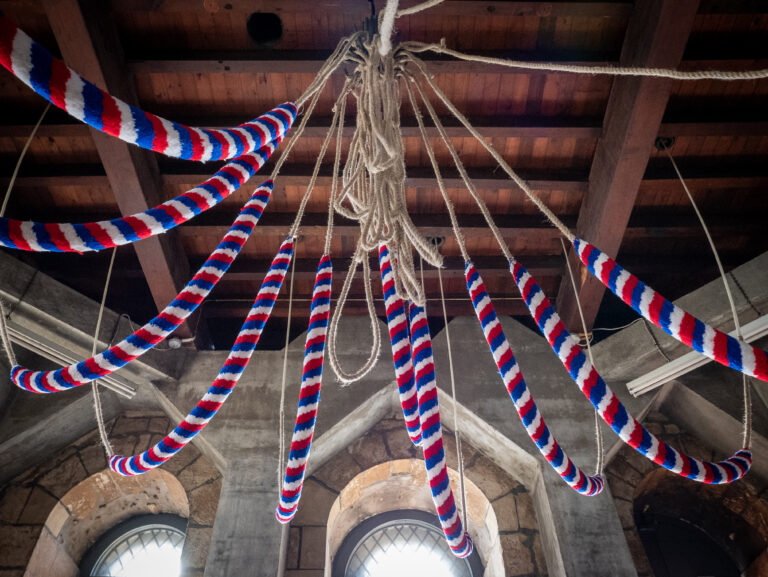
(656,36)
(89,44)
(495,127)
(357,9)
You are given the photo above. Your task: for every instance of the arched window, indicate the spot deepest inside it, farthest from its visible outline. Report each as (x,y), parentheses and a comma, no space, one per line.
(406,543)
(143,546)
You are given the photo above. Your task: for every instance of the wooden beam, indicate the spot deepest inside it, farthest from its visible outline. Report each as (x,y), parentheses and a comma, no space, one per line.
(489,127)
(357,9)
(310,62)
(459,305)
(656,37)
(89,43)
(704,172)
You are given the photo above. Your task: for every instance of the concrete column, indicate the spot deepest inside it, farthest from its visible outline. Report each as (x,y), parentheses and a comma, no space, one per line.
(246,536)
(582,536)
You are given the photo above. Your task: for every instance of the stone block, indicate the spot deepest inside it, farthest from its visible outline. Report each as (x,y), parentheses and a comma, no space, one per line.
(56,519)
(339,471)
(304,573)
(369,451)
(538,556)
(65,476)
(181,460)
(38,507)
(400,445)
(294,542)
(620,488)
(315,504)
(492,524)
(125,425)
(477,504)
(44,556)
(12,503)
(203,503)
(526,513)
(312,554)
(197,473)
(518,558)
(494,566)
(490,479)
(159,425)
(351,493)
(375,475)
(449,447)
(195,551)
(399,467)
(506,513)
(94,459)
(17,543)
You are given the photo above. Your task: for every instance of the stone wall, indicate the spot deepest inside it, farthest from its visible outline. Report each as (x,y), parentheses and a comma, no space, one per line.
(636,482)
(517,531)
(36,506)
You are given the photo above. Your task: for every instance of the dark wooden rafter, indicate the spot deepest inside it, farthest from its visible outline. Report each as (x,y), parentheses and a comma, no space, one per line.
(473,8)
(362,9)
(702,172)
(656,37)
(89,44)
(494,127)
(310,62)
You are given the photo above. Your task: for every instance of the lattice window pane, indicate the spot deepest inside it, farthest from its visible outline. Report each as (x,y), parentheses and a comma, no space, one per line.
(405,548)
(148,551)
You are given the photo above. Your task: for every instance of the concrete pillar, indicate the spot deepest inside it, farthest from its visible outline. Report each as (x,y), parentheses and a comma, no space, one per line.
(582,536)
(246,536)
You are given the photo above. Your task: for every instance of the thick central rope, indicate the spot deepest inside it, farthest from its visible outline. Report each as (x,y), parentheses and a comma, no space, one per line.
(373,180)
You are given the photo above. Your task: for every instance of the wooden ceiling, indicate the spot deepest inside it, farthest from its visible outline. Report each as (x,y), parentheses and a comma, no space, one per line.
(584,142)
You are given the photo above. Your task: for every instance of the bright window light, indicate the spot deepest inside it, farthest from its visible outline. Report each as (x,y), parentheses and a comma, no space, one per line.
(405,548)
(148,551)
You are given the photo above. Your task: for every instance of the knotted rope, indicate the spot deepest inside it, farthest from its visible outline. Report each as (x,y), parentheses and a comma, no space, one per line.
(373,179)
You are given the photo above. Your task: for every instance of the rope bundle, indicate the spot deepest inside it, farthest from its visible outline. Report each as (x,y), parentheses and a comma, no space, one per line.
(225,382)
(373,178)
(309,394)
(164,323)
(65,89)
(607,404)
(669,317)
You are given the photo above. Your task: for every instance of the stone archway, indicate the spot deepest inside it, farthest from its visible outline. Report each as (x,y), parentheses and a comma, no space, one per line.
(33,510)
(735,515)
(387,443)
(402,484)
(92,507)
